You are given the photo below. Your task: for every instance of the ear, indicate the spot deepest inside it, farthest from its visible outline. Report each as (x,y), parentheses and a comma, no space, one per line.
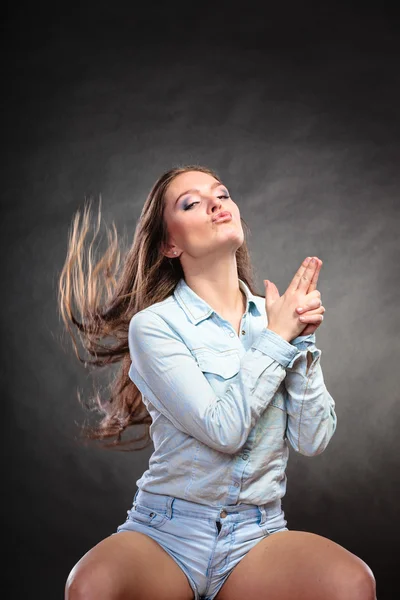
(168,250)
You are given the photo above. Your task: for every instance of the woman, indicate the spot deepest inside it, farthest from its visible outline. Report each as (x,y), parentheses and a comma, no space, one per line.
(225,377)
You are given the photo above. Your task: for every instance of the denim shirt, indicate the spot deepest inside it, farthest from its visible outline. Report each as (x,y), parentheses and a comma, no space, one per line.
(223,406)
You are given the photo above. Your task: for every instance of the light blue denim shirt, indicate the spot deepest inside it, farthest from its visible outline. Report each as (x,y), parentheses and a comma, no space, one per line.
(224,406)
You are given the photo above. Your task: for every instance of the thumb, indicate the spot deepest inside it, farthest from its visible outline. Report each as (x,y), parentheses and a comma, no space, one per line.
(271,292)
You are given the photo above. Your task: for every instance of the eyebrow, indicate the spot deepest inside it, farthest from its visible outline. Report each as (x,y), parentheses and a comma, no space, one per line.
(195,191)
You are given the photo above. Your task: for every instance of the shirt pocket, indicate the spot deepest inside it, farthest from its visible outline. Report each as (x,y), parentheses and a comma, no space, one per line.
(218,365)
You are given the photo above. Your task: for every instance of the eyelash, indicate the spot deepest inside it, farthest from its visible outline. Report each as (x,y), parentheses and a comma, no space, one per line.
(189,205)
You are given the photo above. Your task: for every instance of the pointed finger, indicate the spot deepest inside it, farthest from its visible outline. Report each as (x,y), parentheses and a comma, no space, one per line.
(296,279)
(306,278)
(313,283)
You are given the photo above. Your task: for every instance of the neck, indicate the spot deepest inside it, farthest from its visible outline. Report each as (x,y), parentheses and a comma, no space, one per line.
(219,287)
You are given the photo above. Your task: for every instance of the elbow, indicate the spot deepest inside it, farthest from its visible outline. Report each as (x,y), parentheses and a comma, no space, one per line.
(315,444)
(318,444)
(311,451)
(230,447)
(228,435)
(231,444)
(227,449)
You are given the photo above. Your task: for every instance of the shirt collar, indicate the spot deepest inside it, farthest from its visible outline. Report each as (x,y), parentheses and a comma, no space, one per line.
(197,309)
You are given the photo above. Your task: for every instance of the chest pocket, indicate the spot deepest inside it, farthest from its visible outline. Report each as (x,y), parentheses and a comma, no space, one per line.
(221,364)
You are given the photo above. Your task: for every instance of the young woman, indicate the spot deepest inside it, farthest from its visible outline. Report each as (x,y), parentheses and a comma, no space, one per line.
(222,379)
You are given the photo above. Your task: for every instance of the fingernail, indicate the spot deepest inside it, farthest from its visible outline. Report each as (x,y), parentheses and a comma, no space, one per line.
(301,318)
(313,261)
(300,309)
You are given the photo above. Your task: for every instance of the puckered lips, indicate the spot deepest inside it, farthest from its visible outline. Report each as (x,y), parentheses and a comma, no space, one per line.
(222,216)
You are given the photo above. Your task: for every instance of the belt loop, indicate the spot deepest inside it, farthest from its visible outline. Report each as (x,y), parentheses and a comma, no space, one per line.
(170,502)
(134,498)
(263,514)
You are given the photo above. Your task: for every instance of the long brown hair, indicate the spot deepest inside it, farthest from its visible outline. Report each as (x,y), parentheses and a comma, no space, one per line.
(144,276)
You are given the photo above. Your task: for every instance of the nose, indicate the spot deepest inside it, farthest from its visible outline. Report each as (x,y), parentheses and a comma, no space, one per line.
(215,204)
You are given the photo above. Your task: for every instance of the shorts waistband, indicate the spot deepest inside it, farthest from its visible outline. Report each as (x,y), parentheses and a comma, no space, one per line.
(167,503)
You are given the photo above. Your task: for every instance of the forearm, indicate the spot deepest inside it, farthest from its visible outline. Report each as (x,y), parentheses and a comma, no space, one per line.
(222,411)
(311,409)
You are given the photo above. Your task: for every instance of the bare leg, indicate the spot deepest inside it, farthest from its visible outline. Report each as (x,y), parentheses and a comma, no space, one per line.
(298,565)
(127,566)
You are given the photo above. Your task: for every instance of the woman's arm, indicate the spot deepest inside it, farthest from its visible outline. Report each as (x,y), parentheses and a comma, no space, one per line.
(166,372)
(312,419)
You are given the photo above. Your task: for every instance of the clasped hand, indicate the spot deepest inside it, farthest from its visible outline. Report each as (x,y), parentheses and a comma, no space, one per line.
(299,311)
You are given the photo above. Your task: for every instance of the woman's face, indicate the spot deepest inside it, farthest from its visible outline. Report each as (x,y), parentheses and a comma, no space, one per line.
(192,200)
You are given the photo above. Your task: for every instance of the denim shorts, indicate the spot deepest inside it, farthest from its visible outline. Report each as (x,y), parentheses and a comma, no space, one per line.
(206,542)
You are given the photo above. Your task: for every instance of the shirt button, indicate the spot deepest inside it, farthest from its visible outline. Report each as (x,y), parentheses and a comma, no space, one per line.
(236,484)
(232,334)
(243,332)
(223,514)
(245,456)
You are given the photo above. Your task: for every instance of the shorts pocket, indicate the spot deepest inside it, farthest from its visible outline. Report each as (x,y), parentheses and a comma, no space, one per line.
(274,523)
(147,516)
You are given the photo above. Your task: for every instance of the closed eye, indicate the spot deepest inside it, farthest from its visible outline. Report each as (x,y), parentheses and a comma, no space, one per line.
(189,205)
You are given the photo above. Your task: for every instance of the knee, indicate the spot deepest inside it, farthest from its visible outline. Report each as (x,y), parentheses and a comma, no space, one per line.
(90,582)
(360,584)
(73,586)
(367,583)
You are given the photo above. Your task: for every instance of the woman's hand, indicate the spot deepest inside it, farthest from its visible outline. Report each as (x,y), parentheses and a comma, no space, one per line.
(314,307)
(301,297)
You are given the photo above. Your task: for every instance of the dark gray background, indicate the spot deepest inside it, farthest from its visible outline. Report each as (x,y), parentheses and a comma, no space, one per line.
(297,108)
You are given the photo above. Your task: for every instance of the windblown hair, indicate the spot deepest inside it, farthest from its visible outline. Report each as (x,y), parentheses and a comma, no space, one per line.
(144,276)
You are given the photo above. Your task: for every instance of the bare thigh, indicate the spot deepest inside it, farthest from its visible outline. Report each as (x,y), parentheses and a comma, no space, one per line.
(298,565)
(127,565)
